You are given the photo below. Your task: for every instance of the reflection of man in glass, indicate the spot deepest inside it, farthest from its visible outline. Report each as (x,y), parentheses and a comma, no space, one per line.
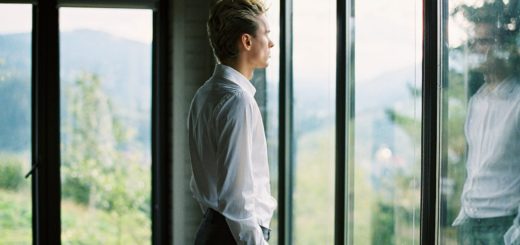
(491,195)
(226,135)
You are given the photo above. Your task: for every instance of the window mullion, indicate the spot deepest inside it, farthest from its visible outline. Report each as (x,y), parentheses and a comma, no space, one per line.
(429,123)
(341,124)
(46,128)
(286,146)
(161,135)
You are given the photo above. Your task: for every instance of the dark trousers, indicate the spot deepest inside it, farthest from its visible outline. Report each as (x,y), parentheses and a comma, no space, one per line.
(485,231)
(214,230)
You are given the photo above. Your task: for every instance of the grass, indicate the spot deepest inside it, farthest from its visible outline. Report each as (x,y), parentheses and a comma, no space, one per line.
(79,224)
(15,217)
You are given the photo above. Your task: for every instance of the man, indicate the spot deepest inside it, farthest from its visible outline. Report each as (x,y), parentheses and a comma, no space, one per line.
(491,193)
(230,173)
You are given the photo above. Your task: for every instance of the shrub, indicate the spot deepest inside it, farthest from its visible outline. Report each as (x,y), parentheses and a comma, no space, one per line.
(11,172)
(76,189)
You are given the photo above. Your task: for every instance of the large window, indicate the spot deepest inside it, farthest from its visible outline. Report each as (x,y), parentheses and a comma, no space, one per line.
(480,123)
(266,82)
(85,120)
(386,122)
(97,114)
(15,124)
(313,102)
(105,70)
(270,114)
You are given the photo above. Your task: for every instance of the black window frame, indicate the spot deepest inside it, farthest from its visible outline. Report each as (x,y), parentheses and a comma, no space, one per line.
(344,115)
(46,116)
(45,121)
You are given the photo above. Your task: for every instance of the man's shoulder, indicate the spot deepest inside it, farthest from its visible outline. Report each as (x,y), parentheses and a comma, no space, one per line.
(227,88)
(222,82)
(235,99)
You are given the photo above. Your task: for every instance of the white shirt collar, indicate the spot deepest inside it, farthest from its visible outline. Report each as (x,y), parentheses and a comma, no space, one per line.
(233,75)
(503,89)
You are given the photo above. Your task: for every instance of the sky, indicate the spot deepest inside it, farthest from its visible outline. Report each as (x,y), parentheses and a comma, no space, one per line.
(130,24)
(387,33)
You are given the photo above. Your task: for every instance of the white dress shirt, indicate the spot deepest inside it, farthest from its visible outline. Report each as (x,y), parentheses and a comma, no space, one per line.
(492,187)
(228,150)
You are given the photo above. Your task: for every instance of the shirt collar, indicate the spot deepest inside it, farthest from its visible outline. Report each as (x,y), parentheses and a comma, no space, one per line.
(233,75)
(504,89)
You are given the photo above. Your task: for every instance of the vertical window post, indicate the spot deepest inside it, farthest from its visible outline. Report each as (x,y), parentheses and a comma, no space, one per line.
(161,141)
(429,125)
(286,124)
(45,121)
(341,124)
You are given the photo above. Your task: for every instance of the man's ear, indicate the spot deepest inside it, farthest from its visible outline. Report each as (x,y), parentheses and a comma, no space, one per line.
(246,41)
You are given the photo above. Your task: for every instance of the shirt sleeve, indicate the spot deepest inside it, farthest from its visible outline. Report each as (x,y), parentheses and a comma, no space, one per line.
(512,236)
(235,184)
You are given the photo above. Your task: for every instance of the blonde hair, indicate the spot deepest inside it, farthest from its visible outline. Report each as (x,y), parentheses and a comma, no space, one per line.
(228,20)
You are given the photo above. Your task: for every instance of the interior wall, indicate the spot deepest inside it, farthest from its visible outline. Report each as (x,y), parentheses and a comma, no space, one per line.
(192,65)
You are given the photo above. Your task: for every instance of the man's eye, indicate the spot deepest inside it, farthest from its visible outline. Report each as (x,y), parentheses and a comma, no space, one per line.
(482,41)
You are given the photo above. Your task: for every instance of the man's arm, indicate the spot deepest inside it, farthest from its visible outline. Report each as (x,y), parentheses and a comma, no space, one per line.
(235,185)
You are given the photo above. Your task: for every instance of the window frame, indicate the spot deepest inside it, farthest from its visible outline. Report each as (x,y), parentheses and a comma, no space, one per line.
(286,125)
(345,113)
(430,123)
(45,114)
(45,121)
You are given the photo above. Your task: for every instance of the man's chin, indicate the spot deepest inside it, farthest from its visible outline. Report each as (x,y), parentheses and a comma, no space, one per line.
(263,66)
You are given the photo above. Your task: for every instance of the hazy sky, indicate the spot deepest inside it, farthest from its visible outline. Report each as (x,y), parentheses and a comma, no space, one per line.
(387,33)
(387,36)
(15,18)
(125,23)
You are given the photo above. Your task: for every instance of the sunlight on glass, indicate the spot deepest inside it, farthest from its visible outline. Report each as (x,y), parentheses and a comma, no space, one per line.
(15,124)
(132,24)
(105,71)
(314,61)
(387,123)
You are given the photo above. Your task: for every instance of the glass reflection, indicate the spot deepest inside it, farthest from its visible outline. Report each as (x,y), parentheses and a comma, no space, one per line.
(481,171)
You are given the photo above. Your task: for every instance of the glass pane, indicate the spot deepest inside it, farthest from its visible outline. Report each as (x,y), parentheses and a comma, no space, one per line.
(272,104)
(480,123)
(387,123)
(266,82)
(314,60)
(15,123)
(105,72)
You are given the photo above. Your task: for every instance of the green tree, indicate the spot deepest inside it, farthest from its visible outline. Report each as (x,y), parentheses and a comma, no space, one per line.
(101,166)
(11,172)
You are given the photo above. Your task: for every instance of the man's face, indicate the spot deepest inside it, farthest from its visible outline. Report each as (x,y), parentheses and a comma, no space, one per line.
(261,44)
(486,55)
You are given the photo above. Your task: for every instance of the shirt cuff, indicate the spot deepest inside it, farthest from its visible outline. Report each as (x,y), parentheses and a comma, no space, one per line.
(512,236)
(461,218)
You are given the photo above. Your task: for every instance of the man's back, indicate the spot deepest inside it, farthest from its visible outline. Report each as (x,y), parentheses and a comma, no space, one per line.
(229,153)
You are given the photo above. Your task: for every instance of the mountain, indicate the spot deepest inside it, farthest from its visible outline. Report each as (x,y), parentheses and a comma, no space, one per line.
(124,67)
